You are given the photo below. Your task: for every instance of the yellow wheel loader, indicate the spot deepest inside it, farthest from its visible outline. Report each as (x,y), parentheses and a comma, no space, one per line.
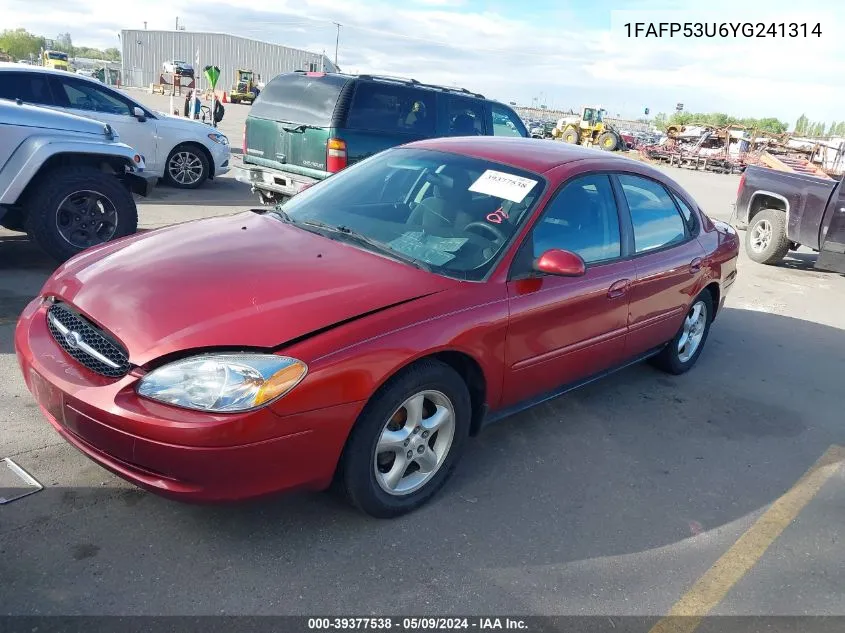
(589,129)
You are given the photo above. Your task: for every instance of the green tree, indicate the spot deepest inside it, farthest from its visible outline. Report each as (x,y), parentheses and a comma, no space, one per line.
(832,129)
(801,124)
(840,129)
(20,43)
(112,54)
(660,120)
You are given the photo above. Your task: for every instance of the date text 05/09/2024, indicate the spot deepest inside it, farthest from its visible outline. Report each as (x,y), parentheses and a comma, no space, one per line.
(723,29)
(417,624)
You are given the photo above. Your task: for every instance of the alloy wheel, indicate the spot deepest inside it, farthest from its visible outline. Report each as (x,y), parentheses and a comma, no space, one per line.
(185,167)
(761,236)
(692,334)
(414,443)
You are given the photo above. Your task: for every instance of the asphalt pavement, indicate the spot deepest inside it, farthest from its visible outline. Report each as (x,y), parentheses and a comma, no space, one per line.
(641,495)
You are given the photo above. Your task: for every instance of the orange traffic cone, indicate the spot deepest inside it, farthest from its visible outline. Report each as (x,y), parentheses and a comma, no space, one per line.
(225,97)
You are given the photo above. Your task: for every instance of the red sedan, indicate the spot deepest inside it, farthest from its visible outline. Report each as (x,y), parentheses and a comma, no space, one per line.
(364,330)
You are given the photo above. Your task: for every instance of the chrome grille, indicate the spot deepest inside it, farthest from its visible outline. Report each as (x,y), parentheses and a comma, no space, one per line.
(87,343)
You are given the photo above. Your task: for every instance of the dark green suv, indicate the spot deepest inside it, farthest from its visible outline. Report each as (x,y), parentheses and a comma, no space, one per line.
(305,126)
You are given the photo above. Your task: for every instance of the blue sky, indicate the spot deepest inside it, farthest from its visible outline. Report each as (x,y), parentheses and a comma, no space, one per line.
(563,52)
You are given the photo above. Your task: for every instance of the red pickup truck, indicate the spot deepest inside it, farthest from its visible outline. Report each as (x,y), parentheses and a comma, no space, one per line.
(782,211)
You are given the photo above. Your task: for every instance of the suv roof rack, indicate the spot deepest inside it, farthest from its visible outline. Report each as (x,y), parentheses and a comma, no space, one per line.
(414,82)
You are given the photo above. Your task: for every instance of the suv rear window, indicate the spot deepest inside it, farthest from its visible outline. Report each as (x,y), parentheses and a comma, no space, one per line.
(382,107)
(299,98)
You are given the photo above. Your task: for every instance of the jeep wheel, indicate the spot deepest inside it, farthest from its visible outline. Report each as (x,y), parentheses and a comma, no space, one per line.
(765,238)
(608,141)
(186,167)
(75,208)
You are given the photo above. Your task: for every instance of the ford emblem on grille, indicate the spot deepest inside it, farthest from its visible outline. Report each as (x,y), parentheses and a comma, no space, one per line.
(73,339)
(86,343)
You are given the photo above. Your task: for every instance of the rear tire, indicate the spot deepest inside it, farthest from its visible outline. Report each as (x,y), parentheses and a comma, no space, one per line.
(765,237)
(365,468)
(682,352)
(50,224)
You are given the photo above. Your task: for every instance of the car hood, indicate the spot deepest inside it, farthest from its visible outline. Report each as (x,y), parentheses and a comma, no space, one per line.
(246,280)
(27,115)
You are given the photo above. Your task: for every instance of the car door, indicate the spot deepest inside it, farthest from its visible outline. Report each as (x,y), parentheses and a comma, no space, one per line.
(94,101)
(668,258)
(563,330)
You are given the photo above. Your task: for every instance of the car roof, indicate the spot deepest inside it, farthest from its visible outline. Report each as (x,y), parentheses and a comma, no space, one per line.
(532,154)
(11,66)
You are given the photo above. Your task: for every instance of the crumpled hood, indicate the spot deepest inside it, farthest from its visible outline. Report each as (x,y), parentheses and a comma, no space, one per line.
(245,280)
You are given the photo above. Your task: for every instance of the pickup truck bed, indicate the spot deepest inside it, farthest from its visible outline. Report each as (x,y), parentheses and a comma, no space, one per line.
(782,210)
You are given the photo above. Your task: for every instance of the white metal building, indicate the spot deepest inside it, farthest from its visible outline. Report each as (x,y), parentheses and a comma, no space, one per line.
(144,52)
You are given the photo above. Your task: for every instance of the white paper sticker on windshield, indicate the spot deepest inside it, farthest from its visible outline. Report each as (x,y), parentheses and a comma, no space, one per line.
(502,185)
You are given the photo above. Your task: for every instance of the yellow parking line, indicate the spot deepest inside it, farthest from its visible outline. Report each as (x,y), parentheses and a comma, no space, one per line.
(713,586)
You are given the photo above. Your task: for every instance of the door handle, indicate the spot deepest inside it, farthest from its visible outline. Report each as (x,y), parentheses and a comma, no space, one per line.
(618,288)
(695,265)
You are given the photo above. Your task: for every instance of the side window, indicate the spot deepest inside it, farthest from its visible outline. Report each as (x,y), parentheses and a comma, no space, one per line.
(387,108)
(28,87)
(82,95)
(504,122)
(654,215)
(582,218)
(465,116)
(689,217)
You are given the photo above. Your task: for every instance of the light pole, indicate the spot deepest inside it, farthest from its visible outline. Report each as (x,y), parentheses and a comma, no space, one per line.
(336,42)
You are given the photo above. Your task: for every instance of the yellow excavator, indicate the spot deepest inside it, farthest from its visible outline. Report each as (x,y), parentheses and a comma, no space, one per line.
(588,128)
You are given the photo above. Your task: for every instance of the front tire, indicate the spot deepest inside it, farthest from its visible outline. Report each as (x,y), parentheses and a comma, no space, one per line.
(608,141)
(683,350)
(765,237)
(186,167)
(570,136)
(407,440)
(75,208)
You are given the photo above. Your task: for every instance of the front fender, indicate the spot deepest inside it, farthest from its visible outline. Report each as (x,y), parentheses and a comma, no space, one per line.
(28,158)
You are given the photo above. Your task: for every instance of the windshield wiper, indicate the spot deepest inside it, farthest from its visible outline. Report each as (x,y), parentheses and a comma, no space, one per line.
(354,236)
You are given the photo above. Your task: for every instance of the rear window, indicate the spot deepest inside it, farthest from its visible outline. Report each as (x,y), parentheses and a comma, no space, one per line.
(382,107)
(299,98)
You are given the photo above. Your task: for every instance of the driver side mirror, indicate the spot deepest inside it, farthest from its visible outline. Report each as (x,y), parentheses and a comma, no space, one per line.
(139,114)
(560,263)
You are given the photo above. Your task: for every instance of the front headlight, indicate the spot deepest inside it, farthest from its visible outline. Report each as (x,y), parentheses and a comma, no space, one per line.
(219,138)
(223,383)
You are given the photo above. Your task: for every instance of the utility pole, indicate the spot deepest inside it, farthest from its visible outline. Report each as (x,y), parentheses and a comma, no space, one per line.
(336,42)
(145,25)
(177,22)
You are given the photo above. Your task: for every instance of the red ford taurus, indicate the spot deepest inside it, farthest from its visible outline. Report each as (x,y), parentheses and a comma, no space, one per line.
(365,329)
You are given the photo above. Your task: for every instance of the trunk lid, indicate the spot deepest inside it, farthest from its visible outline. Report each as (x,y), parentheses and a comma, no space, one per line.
(291,121)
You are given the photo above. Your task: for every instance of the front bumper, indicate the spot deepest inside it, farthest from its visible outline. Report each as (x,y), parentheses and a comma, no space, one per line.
(222,156)
(141,183)
(187,455)
(275,181)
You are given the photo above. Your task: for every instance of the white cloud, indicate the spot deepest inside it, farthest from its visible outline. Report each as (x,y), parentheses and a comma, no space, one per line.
(512,55)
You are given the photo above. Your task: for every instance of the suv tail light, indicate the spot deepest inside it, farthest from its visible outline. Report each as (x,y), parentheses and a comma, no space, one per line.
(243,144)
(335,155)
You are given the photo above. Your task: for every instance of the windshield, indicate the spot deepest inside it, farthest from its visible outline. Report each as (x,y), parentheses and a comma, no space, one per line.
(451,214)
(59,56)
